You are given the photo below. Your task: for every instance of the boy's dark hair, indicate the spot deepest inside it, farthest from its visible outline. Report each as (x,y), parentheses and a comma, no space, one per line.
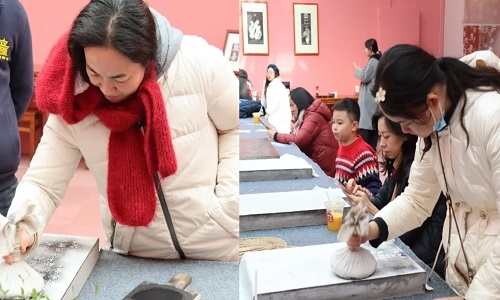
(126,26)
(301,98)
(350,106)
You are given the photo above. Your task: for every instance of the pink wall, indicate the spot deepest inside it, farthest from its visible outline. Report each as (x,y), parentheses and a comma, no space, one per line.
(197,17)
(344,25)
(453,28)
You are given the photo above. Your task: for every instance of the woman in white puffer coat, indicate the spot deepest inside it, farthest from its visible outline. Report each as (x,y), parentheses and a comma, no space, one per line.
(454,108)
(110,85)
(275,101)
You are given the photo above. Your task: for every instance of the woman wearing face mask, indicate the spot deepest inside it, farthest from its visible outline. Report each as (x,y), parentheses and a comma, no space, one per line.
(312,132)
(141,103)
(275,100)
(454,110)
(399,152)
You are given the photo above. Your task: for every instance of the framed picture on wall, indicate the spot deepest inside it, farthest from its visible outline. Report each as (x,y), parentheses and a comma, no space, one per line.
(305,28)
(254,28)
(232,49)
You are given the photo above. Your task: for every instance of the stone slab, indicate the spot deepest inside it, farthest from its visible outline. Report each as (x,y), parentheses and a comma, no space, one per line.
(257,148)
(286,209)
(305,273)
(65,263)
(284,168)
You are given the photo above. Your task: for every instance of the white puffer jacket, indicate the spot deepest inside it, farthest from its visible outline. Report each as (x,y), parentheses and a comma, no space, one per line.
(473,174)
(278,106)
(200,93)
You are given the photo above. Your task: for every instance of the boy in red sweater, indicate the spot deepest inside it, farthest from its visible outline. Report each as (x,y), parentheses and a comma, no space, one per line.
(355,158)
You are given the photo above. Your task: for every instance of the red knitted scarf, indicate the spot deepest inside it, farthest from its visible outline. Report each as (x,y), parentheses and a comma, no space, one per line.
(134,157)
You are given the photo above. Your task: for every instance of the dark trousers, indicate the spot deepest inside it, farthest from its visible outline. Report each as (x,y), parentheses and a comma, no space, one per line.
(370,137)
(6,197)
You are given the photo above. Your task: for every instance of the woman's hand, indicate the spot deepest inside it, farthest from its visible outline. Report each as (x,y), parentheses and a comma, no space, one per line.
(26,242)
(353,187)
(270,134)
(359,196)
(355,241)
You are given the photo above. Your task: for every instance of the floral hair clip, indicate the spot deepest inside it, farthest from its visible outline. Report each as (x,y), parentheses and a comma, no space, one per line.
(380,95)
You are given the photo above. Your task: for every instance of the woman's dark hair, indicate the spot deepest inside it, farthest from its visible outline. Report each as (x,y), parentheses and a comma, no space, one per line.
(407,73)
(126,26)
(372,45)
(301,98)
(276,74)
(407,149)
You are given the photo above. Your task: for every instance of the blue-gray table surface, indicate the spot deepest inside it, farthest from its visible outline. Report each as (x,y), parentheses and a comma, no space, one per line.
(315,235)
(116,276)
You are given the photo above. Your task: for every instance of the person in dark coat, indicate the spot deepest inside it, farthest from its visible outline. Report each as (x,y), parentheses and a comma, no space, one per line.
(399,153)
(16,89)
(245,85)
(312,132)
(247,105)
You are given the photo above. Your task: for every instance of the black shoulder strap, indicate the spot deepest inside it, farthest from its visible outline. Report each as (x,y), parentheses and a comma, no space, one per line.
(166,213)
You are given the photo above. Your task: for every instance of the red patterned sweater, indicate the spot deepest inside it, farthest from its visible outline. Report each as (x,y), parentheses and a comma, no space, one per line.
(359,161)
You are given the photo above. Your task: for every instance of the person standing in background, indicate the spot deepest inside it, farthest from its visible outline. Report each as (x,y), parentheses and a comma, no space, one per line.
(16,89)
(366,101)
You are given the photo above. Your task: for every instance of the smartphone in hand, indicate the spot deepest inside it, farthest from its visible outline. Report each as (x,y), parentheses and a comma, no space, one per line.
(342,186)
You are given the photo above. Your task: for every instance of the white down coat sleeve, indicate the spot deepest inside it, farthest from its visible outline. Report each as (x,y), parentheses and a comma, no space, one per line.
(43,186)
(410,209)
(223,107)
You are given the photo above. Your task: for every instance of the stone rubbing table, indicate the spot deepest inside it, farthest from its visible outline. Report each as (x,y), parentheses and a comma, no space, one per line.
(305,273)
(285,209)
(65,262)
(286,167)
(317,235)
(116,275)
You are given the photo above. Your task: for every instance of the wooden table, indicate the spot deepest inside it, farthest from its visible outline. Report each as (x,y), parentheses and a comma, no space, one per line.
(330,101)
